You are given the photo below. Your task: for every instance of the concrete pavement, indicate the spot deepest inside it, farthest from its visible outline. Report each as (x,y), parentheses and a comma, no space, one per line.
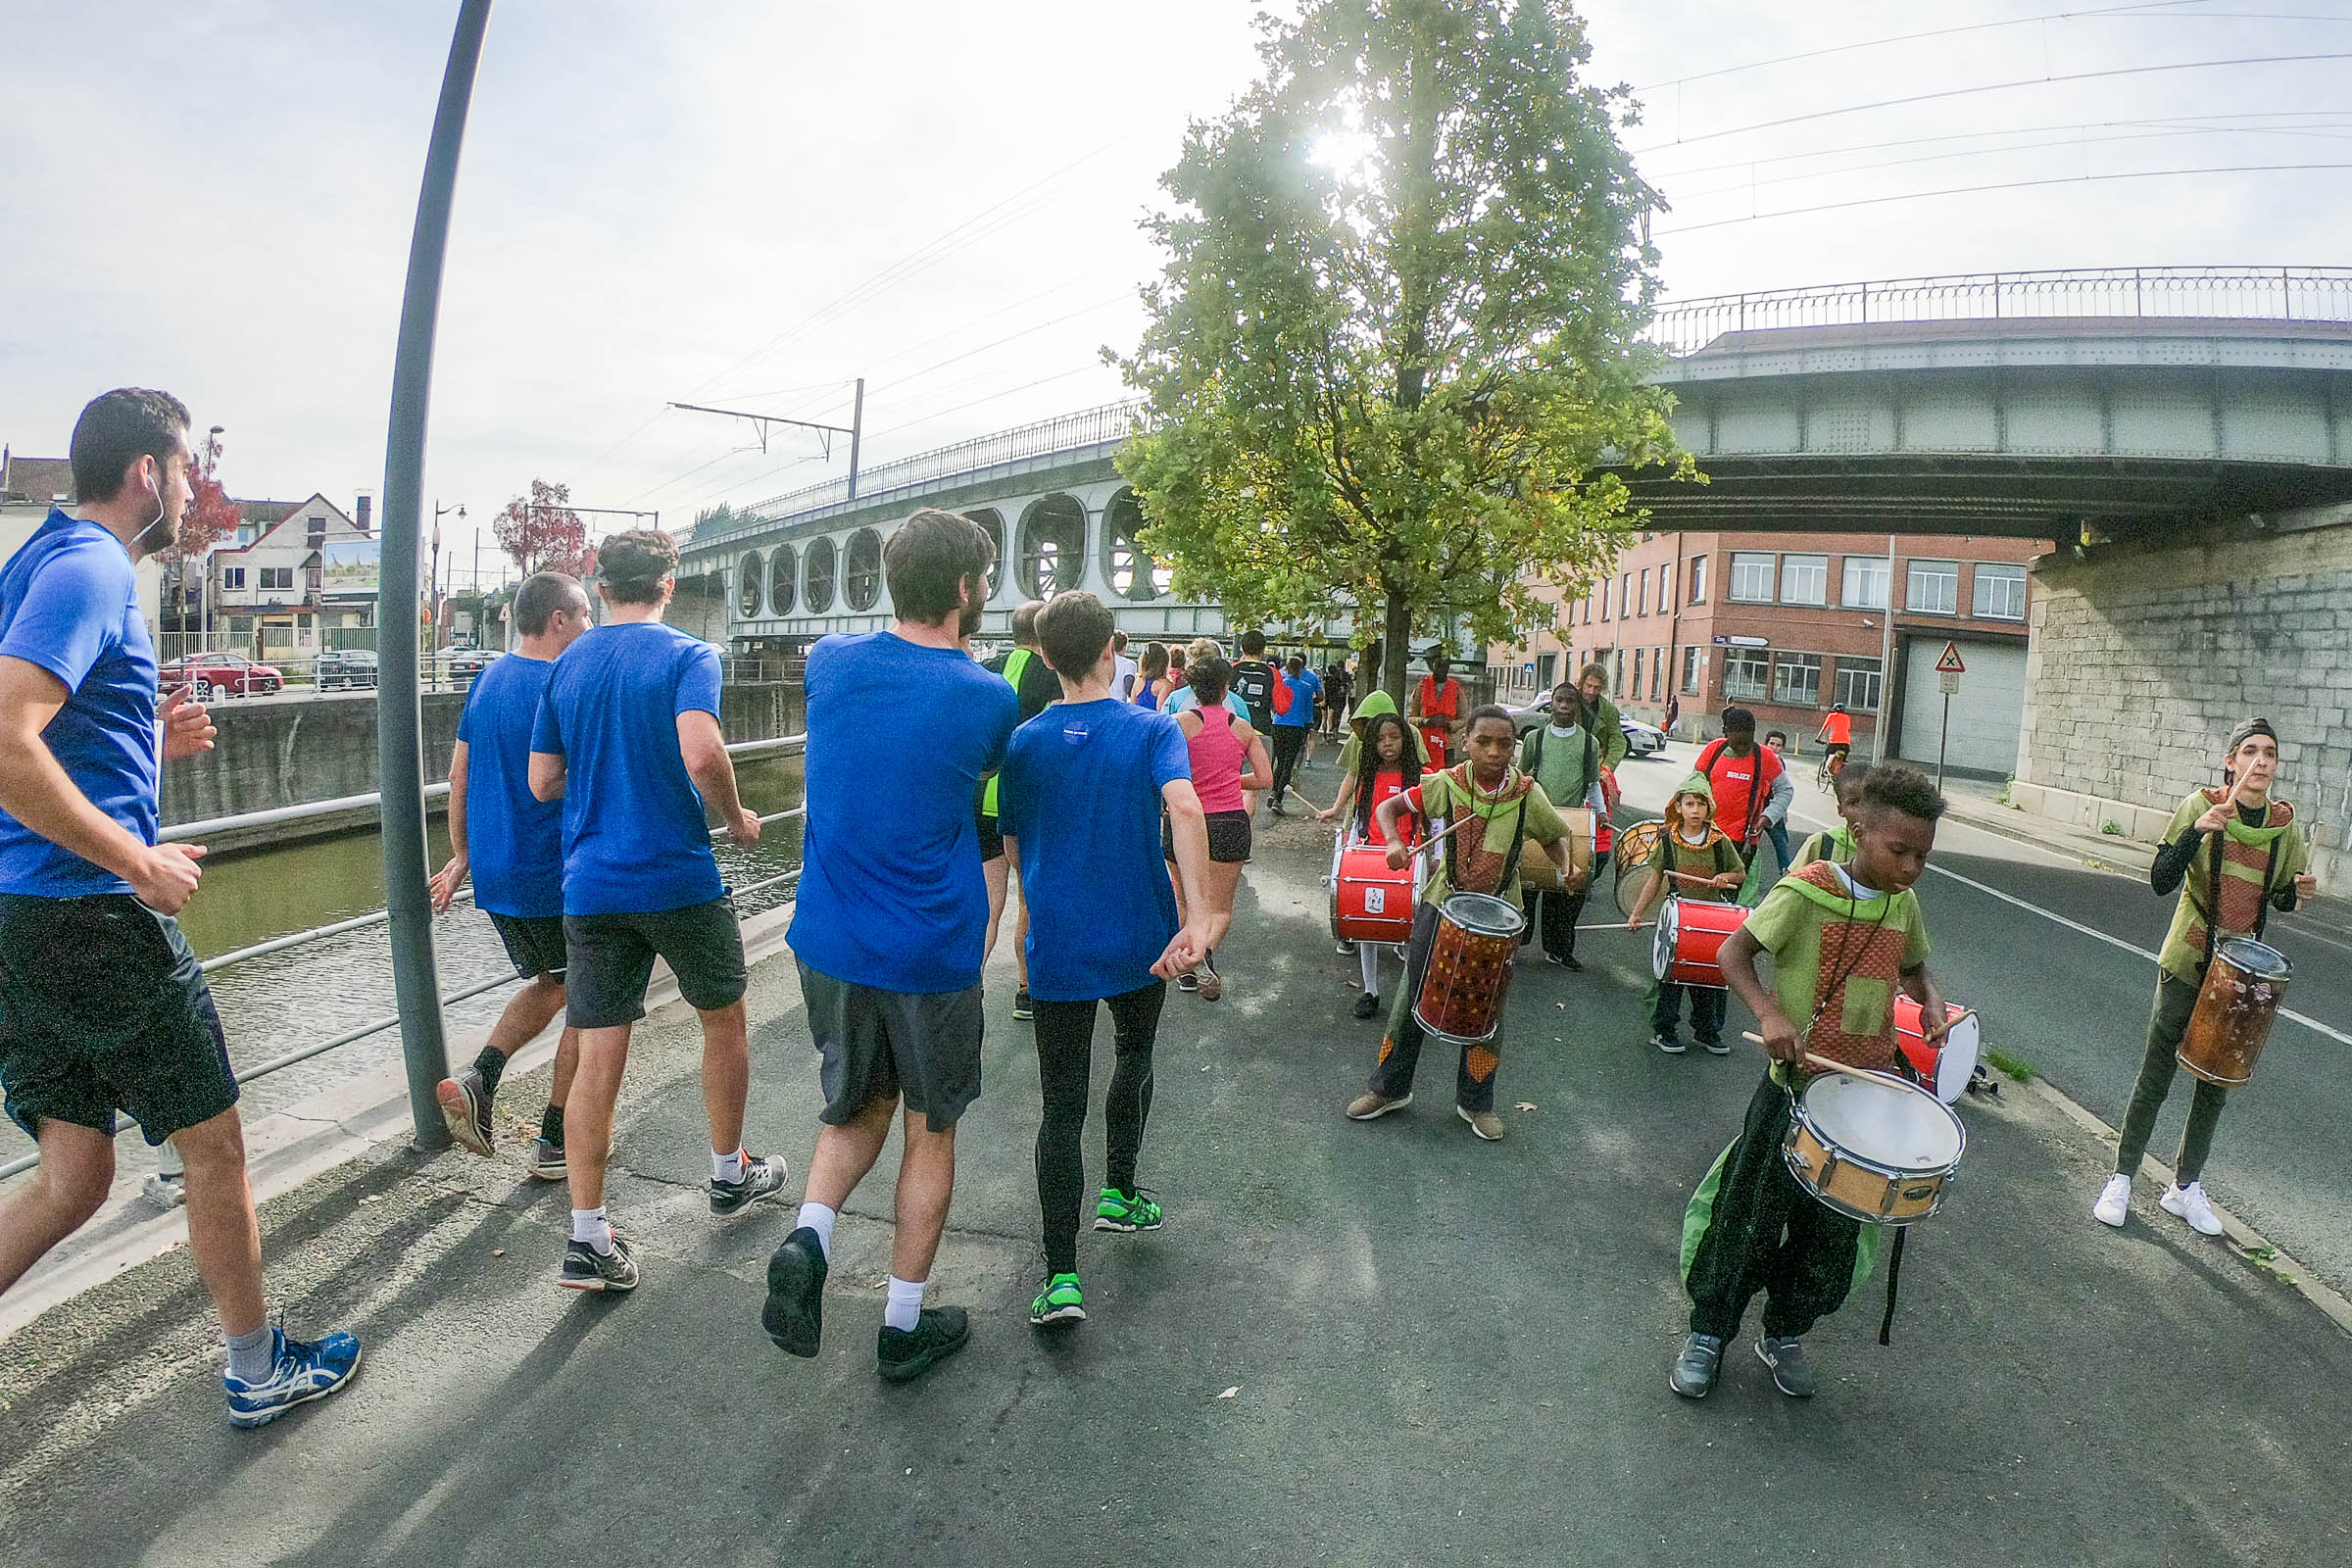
(1440,1350)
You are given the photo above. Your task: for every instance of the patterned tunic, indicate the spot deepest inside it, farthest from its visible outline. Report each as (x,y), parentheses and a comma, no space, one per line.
(2255,863)
(1837,959)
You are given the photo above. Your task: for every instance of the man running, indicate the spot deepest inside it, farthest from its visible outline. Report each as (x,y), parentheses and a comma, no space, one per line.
(102,1005)
(518,870)
(1026,674)
(891,925)
(1292,722)
(628,739)
(1254,681)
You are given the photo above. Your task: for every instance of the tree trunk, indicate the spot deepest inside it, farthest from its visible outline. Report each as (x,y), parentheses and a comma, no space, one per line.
(1397,645)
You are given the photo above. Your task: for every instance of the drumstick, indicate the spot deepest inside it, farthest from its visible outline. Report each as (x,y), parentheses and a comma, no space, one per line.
(1820,1062)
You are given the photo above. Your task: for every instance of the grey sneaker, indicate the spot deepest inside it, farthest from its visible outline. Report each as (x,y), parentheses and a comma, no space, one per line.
(1370,1106)
(548,1163)
(1791,1373)
(464,1103)
(587,1269)
(1697,1368)
(764,1176)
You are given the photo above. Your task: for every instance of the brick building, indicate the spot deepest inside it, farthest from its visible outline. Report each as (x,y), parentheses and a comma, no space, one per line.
(1789,625)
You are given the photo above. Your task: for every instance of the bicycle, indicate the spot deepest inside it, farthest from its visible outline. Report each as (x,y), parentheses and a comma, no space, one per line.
(1833,763)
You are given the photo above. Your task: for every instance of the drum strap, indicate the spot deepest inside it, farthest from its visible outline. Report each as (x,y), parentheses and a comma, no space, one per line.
(2212,900)
(1510,860)
(1894,1273)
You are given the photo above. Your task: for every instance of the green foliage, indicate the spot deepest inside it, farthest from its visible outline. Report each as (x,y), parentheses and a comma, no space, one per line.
(2016,1067)
(1393,338)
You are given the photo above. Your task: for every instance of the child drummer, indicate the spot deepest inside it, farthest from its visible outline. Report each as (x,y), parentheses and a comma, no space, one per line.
(1696,859)
(1842,939)
(2238,850)
(1382,745)
(1494,809)
(1836,843)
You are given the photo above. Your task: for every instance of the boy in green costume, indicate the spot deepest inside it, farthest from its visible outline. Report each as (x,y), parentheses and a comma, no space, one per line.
(1695,860)
(1836,843)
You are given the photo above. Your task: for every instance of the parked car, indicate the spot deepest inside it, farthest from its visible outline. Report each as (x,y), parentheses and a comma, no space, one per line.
(464,664)
(211,675)
(1641,738)
(344,668)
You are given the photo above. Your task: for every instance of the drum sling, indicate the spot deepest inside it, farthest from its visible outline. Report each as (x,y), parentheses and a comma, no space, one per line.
(1510,859)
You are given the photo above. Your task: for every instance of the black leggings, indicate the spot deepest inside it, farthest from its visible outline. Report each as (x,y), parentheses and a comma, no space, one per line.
(1288,741)
(1065,1037)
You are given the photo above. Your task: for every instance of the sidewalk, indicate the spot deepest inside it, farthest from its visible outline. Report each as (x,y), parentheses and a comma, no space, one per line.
(1383,1342)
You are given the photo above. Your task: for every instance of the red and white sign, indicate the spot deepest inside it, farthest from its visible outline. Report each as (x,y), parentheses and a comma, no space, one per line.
(1949,663)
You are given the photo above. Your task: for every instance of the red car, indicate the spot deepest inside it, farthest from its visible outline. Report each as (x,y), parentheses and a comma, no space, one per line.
(212,675)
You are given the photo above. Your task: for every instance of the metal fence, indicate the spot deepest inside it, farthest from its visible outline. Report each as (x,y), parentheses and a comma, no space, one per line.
(2209,293)
(191,831)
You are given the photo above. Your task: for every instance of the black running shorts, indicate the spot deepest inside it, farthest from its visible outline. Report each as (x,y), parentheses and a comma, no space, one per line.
(611,960)
(1228,838)
(874,1045)
(534,941)
(103,1009)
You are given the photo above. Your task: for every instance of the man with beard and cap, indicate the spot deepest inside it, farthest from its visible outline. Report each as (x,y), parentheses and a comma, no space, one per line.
(2234,853)
(890,927)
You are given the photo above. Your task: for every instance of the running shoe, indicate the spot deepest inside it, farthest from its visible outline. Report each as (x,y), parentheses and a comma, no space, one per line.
(1060,1302)
(1716,1047)
(1367,1004)
(938,1332)
(1697,1367)
(1210,986)
(587,1269)
(1791,1373)
(298,1374)
(1022,1008)
(1668,1043)
(2192,1205)
(464,1103)
(1126,1214)
(1189,980)
(794,1315)
(2115,1200)
(764,1176)
(546,1160)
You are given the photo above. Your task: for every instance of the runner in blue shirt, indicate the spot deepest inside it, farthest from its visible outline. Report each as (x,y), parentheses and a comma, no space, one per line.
(890,924)
(627,737)
(1294,720)
(511,842)
(103,1007)
(1084,785)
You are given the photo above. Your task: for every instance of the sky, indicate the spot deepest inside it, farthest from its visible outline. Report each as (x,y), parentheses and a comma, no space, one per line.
(751,203)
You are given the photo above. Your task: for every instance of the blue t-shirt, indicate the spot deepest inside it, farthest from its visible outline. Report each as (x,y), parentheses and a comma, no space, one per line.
(515,840)
(1181,697)
(70,603)
(1080,791)
(1306,687)
(635,840)
(891,892)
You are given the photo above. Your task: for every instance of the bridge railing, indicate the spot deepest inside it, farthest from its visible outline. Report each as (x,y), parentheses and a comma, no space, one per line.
(192,832)
(2226,293)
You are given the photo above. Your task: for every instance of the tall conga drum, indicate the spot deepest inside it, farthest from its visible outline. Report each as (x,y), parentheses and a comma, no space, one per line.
(1469,968)
(2235,1006)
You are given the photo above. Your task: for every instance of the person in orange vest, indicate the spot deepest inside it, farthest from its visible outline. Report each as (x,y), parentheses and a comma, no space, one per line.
(1437,710)
(1837,733)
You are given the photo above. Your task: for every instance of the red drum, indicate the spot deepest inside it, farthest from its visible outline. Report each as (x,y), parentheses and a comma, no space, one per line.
(1689,933)
(1369,902)
(1944,1067)
(1469,968)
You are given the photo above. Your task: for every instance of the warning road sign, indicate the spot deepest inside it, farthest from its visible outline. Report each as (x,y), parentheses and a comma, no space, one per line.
(1949,663)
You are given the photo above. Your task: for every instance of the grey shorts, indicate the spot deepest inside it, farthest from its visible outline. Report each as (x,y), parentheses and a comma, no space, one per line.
(884,1045)
(610,958)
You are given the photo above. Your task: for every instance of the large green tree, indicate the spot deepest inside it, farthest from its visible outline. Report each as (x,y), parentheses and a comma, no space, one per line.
(1395,333)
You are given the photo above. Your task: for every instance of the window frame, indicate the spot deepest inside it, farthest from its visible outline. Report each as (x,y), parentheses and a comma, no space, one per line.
(1698,579)
(1795,659)
(1737,688)
(1749,558)
(1845,581)
(1807,563)
(1691,682)
(1850,673)
(2007,572)
(1950,571)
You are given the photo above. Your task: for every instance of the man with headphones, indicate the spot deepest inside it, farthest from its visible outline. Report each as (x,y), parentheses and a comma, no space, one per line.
(103,1007)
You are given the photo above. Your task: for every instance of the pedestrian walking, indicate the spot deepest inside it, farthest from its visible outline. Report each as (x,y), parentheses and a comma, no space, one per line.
(1563,758)
(891,926)
(510,842)
(1293,711)
(1228,758)
(627,738)
(1026,674)
(103,1007)
(1082,786)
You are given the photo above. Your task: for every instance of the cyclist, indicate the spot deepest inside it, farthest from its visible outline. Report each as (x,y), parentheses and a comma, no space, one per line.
(1838,734)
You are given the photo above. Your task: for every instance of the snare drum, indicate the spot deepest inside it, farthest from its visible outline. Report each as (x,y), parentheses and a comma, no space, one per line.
(1690,931)
(1874,1148)
(1469,968)
(1945,1067)
(2243,987)
(1369,902)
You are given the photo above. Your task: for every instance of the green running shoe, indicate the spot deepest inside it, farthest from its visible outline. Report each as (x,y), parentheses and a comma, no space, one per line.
(1060,1302)
(1116,1211)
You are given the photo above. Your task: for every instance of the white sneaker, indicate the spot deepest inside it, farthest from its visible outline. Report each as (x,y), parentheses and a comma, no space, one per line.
(2115,1200)
(2191,1204)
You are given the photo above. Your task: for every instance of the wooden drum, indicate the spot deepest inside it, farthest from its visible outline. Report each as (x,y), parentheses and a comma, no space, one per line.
(2243,987)
(1469,968)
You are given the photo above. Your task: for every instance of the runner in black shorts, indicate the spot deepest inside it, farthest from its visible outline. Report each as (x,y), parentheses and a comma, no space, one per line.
(1228,758)
(1034,684)
(103,1007)
(512,844)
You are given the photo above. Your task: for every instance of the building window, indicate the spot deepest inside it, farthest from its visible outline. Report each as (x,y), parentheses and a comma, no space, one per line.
(1691,672)
(1804,579)
(1625,596)
(1698,579)
(1746,673)
(2001,593)
(1752,577)
(1634,691)
(1658,673)
(1641,605)
(1602,593)
(1865,586)
(1932,587)
(276,577)
(1796,680)
(1618,683)
(232,576)
(1857,689)
(1547,671)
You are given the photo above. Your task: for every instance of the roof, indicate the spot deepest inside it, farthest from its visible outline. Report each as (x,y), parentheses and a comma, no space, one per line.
(265,513)
(37,479)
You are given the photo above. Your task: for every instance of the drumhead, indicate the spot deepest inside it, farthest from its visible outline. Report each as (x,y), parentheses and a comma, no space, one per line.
(1484,915)
(1958,1062)
(2258,960)
(1887,1123)
(1662,940)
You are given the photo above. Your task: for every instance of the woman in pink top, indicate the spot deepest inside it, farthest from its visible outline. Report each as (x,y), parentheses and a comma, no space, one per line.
(1220,746)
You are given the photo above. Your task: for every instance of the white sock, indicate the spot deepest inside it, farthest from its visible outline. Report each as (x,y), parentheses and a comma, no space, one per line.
(727,1167)
(1368,952)
(906,1302)
(590,1225)
(818,1218)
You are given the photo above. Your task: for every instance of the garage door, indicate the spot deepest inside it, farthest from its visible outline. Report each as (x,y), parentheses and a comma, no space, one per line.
(1985,714)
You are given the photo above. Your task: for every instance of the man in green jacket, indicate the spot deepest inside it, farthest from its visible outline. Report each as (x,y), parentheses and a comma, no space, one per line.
(1600,715)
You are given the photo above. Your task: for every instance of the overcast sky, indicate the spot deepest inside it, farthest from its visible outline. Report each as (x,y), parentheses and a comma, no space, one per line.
(751,202)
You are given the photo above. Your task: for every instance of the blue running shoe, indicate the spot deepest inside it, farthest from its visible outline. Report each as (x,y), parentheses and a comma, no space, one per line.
(298,1374)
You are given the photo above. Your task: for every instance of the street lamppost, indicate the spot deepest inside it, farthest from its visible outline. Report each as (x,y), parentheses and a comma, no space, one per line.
(433,578)
(204,601)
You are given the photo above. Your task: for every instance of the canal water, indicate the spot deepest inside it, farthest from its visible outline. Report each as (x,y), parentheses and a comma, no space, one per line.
(285,1000)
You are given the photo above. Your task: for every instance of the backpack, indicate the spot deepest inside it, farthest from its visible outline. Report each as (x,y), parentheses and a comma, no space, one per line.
(1282,694)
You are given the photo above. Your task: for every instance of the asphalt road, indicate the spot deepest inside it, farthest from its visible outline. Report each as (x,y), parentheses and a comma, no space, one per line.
(1382,1342)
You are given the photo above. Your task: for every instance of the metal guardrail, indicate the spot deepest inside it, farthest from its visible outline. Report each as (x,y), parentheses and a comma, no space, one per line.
(2210,293)
(191,831)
